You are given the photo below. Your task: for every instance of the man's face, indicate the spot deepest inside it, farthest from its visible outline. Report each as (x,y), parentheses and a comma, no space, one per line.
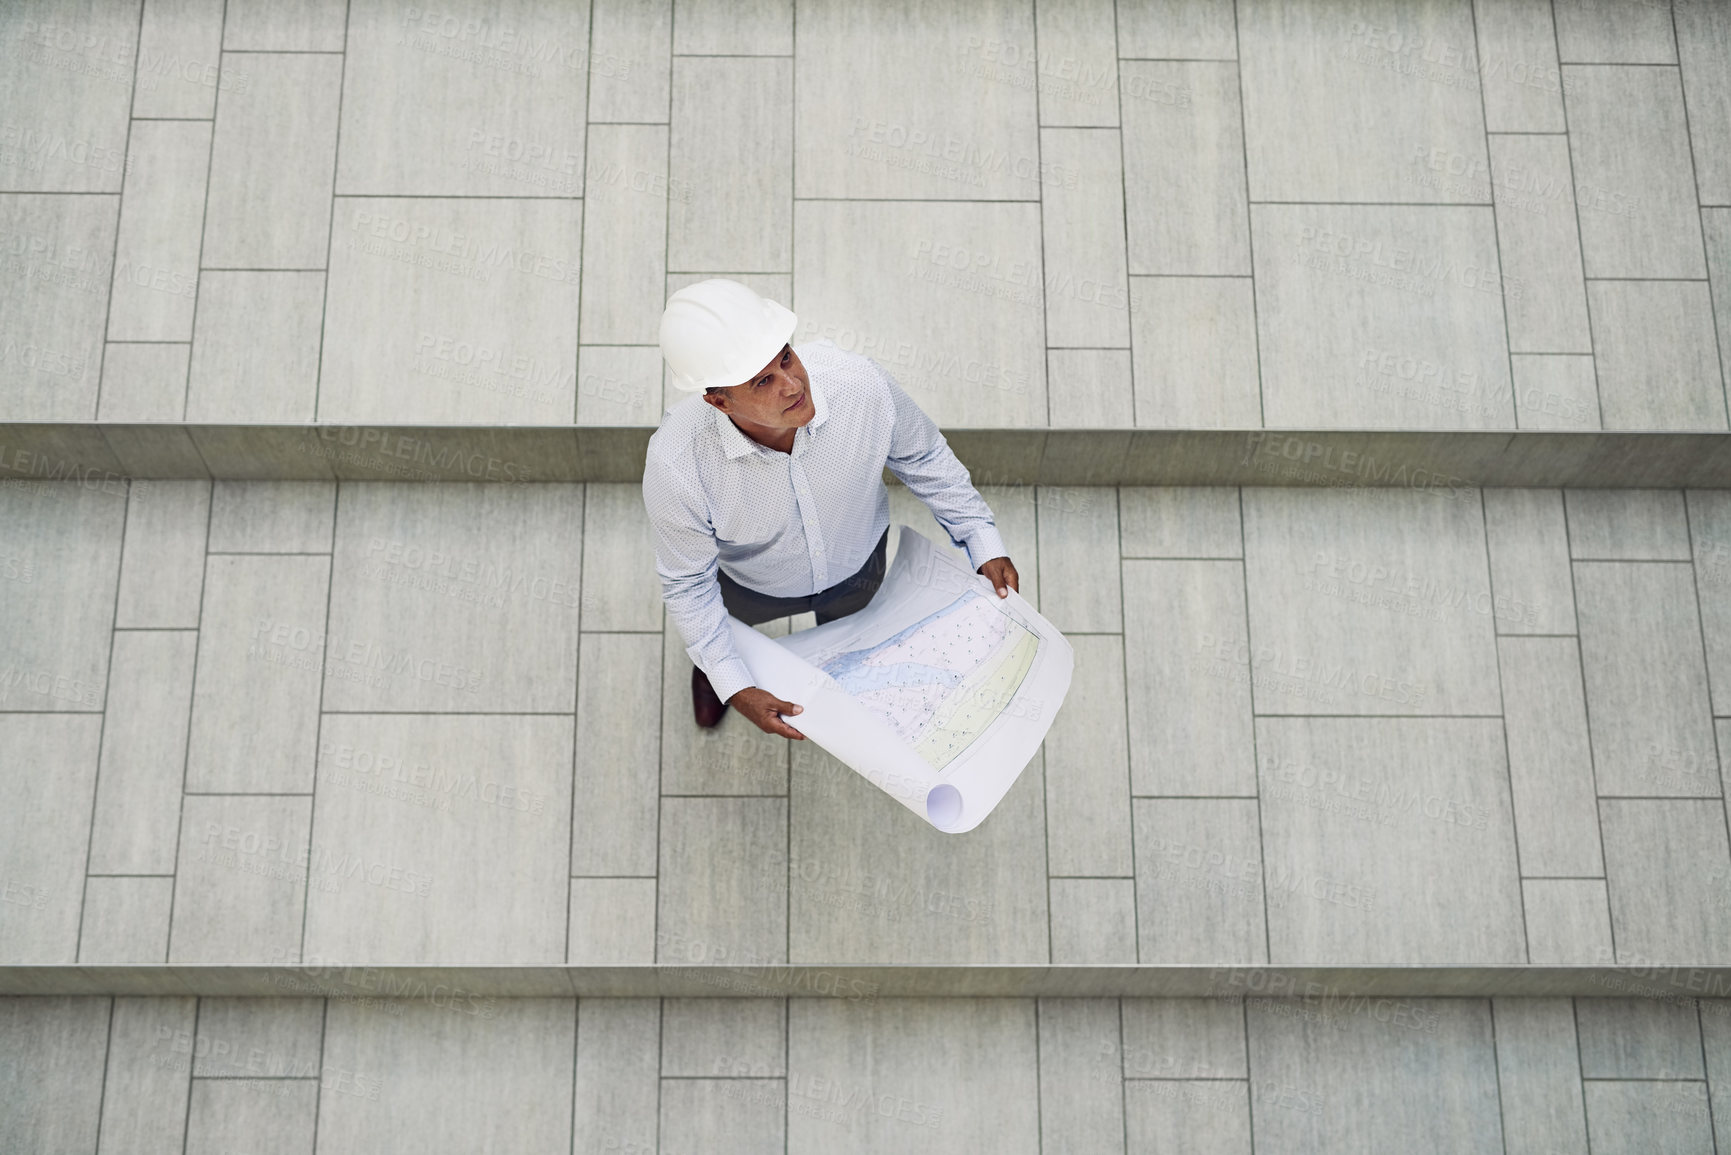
(778,397)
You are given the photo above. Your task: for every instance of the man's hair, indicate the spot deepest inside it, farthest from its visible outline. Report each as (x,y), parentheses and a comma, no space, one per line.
(713,389)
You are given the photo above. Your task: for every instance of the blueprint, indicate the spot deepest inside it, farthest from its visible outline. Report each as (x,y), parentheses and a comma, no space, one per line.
(939,691)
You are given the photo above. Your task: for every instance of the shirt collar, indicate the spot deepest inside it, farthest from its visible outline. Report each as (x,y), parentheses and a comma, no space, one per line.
(737,444)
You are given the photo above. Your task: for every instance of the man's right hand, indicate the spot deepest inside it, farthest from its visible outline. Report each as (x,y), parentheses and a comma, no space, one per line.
(761,707)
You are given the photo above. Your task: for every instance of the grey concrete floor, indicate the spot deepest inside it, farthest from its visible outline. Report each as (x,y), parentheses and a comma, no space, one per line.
(1435,214)
(404,723)
(839,1075)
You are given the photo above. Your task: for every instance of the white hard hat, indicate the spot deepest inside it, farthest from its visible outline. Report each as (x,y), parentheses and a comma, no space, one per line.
(719,332)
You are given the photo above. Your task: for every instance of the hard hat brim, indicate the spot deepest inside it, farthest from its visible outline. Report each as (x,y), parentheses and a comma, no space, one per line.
(779,328)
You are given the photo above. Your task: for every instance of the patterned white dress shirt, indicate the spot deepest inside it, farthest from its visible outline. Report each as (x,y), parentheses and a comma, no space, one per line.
(794,524)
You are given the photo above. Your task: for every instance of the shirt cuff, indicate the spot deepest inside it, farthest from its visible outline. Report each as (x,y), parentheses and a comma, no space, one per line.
(985,545)
(729,678)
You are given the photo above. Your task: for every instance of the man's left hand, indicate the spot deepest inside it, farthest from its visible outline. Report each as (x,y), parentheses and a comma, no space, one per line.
(1002,573)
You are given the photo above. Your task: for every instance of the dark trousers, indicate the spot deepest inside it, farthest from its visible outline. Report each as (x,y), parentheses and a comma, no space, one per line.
(844,597)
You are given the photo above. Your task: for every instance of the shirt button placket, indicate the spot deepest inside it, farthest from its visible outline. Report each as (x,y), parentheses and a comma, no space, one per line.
(808,517)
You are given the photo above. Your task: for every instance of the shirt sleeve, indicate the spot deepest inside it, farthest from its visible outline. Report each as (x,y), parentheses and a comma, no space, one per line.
(926,464)
(685,559)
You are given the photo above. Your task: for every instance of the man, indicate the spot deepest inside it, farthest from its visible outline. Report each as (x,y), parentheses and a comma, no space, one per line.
(767,499)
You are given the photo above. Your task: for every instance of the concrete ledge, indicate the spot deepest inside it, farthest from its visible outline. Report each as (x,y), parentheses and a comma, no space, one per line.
(1443,462)
(459,985)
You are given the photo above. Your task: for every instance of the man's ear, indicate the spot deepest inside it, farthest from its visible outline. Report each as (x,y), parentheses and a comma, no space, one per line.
(719,400)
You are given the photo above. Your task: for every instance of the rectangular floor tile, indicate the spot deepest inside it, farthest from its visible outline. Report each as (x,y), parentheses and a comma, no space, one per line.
(279,362)
(896,92)
(1556,391)
(441,839)
(144,736)
(1184,217)
(255,700)
(1655,355)
(1179,522)
(434,105)
(179,58)
(1539,244)
(1634,186)
(1568,921)
(449,1076)
(630,61)
(612,922)
(49,776)
(1370,601)
(143,382)
(724,1038)
(1211,1117)
(618,559)
(1602,31)
(1639,1039)
(962,1076)
(945,297)
(1710,525)
(52,1070)
(240,882)
(162,559)
(1339,105)
(1077,65)
(1079,548)
(1648,1116)
(144,1091)
(1518,68)
(457,597)
(1189,692)
(1199,881)
(1528,538)
(627,195)
(63,544)
(1647,704)
(161,215)
(272,163)
(1093,920)
(1550,757)
(1368,821)
(618,1074)
(1088,766)
(125,920)
(720,897)
(872,882)
(1184,1039)
(53,299)
(1082,207)
(1089,389)
(1195,352)
(1081,1085)
(1539,1075)
(1669,873)
(261,1037)
(272,516)
(455,309)
(736,207)
(69,80)
(1355,1057)
(618,758)
(1627,524)
(1702,34)
(724,1116)
(301,26)
(712,27)
(1178,30)
(1349,343)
